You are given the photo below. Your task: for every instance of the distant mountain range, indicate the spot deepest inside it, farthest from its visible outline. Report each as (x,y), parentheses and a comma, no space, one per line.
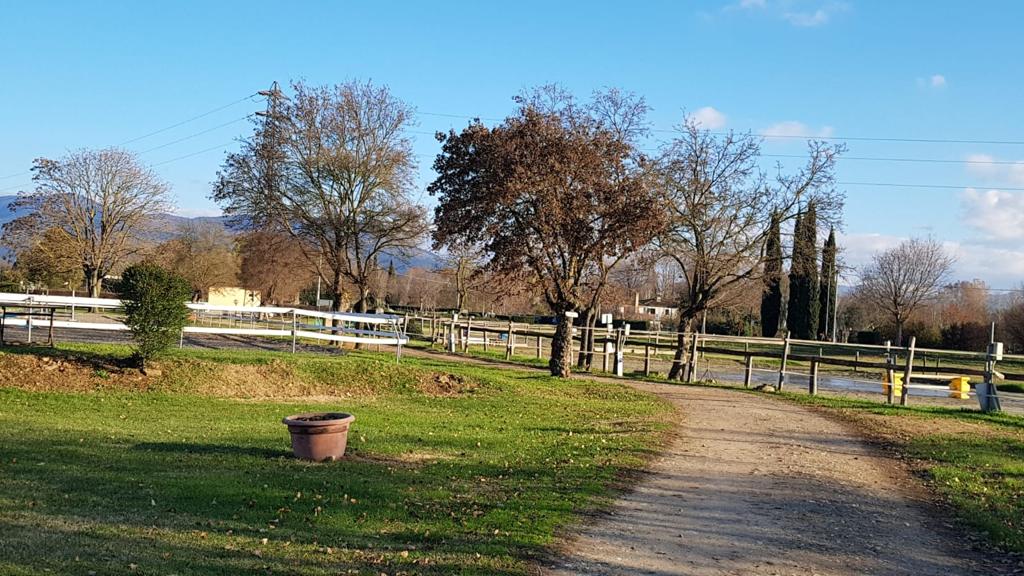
(166,225)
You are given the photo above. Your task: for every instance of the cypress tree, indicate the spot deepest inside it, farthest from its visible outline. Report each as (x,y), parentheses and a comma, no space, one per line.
(829,285)
(771,297)
(802,319)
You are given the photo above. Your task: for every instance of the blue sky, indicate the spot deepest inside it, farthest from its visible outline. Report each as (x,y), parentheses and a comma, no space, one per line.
(90,74)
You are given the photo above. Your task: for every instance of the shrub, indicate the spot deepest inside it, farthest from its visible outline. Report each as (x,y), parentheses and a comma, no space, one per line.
(154,304)
(973,336)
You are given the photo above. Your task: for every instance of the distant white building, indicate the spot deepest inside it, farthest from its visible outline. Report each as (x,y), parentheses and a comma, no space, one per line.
(650,307)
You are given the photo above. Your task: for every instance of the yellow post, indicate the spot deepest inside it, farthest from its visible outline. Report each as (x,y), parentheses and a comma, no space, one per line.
(960,388)
(898,386)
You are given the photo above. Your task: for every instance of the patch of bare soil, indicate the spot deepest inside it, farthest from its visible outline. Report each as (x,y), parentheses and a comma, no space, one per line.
(67,374)
(444,384)
(255,381)
(405,460)
(753,485)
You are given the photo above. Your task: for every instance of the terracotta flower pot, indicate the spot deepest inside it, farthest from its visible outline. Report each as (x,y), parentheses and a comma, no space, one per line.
(319,436)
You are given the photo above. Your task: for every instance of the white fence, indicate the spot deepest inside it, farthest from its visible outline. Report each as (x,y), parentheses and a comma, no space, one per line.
(257,321)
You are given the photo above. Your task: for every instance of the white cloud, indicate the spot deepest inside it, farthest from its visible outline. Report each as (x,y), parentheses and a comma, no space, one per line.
(857,249)
(981,165)
(997,171)
(708,118)
(1000,266)
(937,81)
(800,13)
(998,215)
(807,19)
(794,129)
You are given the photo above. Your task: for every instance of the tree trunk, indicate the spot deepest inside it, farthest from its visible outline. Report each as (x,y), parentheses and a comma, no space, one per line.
(93,284)
(899,332)
(364,294)
(680,359)
(561,348)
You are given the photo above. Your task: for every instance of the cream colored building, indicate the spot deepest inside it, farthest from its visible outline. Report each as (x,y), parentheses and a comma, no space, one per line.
(233,296)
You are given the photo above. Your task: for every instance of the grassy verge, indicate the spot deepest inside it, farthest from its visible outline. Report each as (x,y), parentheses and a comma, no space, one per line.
(452,468)
(974,461)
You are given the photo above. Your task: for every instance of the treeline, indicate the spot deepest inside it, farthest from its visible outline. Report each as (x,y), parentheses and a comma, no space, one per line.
(561,209)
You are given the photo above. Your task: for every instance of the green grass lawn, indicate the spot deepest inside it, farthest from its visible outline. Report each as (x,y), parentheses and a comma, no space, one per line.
(192,474)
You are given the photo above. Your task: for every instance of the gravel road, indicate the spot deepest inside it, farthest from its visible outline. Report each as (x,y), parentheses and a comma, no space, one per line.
(752,485)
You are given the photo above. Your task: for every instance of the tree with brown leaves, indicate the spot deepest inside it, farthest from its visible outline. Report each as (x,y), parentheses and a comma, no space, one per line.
(274,263)
(555,194)
(203,253)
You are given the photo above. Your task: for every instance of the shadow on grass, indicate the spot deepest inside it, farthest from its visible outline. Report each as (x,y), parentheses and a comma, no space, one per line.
(215,449)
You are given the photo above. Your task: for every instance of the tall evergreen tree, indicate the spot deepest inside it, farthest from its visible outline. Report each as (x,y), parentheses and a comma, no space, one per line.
(829,286)
(802,319)
(771,298)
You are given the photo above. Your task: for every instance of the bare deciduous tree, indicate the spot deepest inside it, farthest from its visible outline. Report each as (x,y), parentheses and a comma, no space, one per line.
(332,166)
(901,279)
(101,199)
(721,206)
(463,266)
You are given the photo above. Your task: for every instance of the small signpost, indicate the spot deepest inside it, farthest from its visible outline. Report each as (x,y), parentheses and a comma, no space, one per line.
(988,394)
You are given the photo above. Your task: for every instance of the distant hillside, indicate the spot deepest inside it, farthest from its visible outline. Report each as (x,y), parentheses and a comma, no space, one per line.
(166,226)
(5,211)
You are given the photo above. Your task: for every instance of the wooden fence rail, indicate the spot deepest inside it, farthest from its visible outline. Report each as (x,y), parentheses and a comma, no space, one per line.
(648,346)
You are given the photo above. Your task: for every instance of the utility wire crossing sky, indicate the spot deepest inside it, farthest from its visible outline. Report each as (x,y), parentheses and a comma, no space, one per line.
(935,139)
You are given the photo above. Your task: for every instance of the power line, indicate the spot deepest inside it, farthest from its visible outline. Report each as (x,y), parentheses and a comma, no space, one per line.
(192,119)
(16,175)
(160,131)
(920,160)
(15,186)
(794,136)
(203,151)
(881,139)
(943,186)
(196,134)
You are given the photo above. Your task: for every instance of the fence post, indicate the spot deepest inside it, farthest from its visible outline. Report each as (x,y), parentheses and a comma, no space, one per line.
(469,334)
(647,357)
(451,334)
(604,356)
(483,332)
(620,350)
(785,360)
(510,346)
(908,371)
(748,371)
(812,380)
(691,370)
(856,361)
(890,374)
(294,333)
(540,346)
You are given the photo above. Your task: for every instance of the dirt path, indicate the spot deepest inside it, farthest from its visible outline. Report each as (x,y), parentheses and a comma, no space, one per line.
(756,486)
